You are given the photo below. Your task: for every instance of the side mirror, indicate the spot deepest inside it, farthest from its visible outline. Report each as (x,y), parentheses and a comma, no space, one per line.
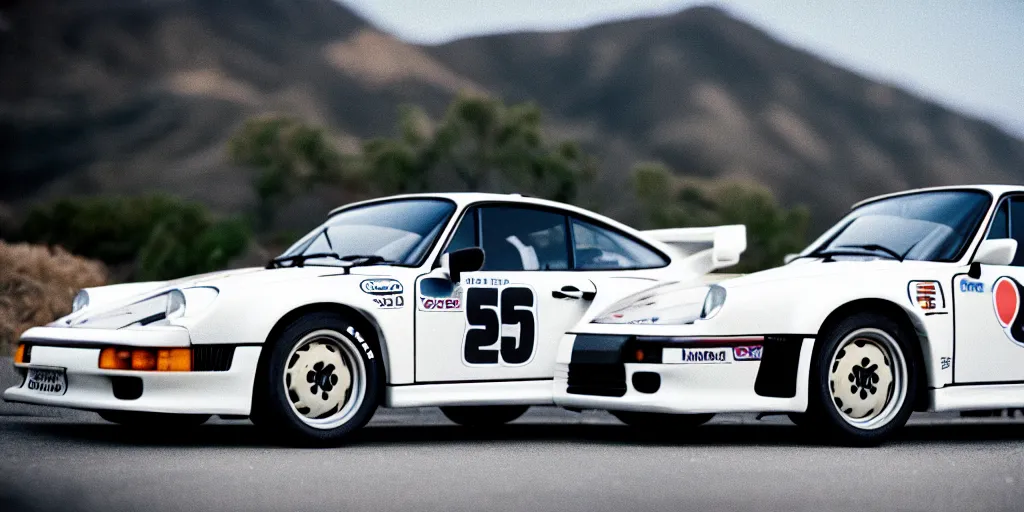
(457,262)
(998,251)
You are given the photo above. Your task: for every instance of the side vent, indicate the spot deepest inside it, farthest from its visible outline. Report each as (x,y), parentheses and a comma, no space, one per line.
(212,358)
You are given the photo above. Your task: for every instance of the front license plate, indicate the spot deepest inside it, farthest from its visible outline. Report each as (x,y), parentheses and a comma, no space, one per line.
(48,381)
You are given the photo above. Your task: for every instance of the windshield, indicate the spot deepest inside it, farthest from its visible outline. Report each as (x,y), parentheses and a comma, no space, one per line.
(929,226)
(397,232)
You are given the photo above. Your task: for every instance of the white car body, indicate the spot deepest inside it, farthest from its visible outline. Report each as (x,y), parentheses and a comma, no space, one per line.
(230,317)
(972,359)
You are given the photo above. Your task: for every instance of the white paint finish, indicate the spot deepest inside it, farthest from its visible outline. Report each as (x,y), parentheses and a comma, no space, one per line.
(693,388)
(985,352)
(250,302)
(532,392)
(793,299)
(441,335)
(90,388)
(155,336)
(977,397)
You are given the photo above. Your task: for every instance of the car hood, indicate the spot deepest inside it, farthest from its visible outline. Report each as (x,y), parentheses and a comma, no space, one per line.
(123,300)
(808,268)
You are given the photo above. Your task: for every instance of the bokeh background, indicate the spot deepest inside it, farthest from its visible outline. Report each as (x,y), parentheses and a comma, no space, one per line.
(153,139)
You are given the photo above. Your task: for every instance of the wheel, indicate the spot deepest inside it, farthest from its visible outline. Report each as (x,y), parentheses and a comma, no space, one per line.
(863,380)
(153,420)
(322,381)
(659,422)
(799,419)
(484,415)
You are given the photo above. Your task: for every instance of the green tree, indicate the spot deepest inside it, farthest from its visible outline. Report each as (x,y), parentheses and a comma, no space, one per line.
(287,156)
(772,231)
(479,144)
(161,237)
(494,147)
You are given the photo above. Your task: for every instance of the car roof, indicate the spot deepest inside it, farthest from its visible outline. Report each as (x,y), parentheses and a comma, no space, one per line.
(995,190)
(462,199)
(466,198)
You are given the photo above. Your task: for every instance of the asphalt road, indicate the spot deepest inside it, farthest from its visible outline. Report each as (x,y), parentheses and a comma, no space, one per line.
(548,460)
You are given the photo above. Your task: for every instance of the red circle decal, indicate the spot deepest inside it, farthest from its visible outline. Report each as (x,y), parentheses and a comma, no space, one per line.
(1007,300)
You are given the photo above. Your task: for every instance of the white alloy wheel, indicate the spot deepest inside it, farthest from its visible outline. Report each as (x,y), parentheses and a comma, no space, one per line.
(868,378)
(325,379)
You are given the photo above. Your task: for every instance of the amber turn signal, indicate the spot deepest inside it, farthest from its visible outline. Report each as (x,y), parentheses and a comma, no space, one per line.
(144,359)
(19,354)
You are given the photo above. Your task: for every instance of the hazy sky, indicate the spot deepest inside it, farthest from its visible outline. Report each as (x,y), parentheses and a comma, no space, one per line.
(966,54)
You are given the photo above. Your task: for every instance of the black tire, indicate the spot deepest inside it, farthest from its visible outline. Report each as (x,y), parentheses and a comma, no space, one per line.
(854,333)
(799,419)
(273,408)
(660,422)
(484,415)
(154,420)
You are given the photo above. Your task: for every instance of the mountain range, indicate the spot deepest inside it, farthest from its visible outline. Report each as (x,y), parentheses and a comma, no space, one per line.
(129,96)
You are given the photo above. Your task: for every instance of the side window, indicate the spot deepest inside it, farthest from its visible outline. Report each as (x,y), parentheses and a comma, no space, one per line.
(465,234)
(598,248)
(523,239)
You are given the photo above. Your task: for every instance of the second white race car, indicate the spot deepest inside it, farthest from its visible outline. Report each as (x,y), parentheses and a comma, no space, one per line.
(910,303)
(451,300)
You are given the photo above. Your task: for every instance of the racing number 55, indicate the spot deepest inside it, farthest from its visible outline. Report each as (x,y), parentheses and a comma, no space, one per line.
(516,306)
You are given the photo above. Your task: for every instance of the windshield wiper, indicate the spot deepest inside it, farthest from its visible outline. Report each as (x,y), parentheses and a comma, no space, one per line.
(353,260)
(297,260)
(876,247)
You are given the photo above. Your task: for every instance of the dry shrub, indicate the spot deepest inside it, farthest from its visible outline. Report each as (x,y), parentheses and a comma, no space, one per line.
(37,286)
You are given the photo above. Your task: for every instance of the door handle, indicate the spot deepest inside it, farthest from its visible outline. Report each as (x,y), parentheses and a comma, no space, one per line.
(571,292)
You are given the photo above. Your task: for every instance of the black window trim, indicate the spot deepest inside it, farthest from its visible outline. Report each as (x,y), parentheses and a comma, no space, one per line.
(1006,197)
(570,238)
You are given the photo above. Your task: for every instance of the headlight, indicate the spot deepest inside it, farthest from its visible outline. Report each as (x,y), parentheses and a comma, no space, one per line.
(175,305)
(713,302)
(190,300)
(81,301)
(677,304)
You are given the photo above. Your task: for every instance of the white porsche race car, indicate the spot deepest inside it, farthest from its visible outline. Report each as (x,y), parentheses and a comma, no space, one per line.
(452,300)
(910,302)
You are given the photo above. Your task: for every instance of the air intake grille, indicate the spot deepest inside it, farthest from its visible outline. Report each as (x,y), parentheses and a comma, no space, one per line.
(600,379)
(212,358)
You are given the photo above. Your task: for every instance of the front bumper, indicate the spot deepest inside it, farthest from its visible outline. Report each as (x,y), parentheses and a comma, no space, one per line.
(601,372)
(77,351)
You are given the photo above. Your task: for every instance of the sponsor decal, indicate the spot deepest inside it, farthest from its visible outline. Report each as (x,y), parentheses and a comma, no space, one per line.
(501,326)
(971,286)
(430,304)
(945,362)
(391,302)
(718,355)
(381,286)
(45,381)
(485,281)
(926,295)
(362,342)
(747,353)
(45,387)
(439,294)
(1006,297)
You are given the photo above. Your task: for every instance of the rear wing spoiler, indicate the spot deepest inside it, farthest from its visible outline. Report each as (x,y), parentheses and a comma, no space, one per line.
(704,249)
